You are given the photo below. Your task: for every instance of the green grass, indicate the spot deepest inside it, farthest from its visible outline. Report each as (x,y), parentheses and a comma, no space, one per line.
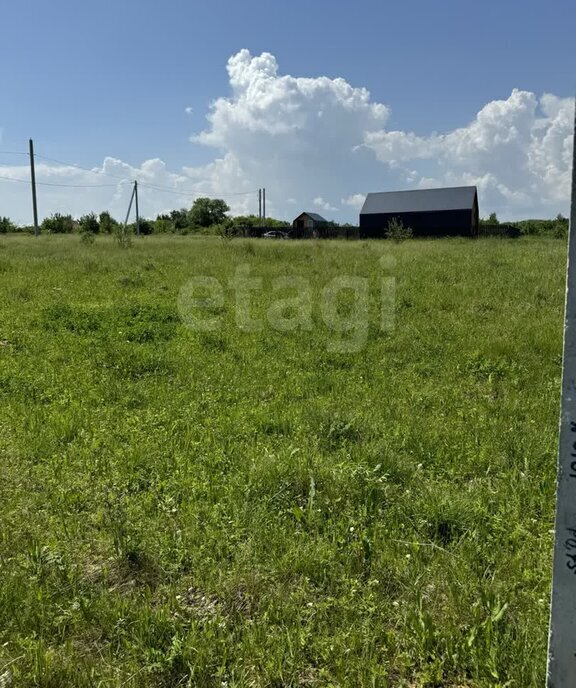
(248,508)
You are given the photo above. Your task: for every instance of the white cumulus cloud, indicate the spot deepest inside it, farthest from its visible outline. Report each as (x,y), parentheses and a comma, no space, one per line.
(517,151)
(308,139)
(324,205)
(355,200)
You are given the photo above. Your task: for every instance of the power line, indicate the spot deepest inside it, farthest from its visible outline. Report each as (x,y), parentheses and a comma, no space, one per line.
(151,185)
(81,186)
(156,187)
(68,186)
(11,179)
(197,194)
(79,167)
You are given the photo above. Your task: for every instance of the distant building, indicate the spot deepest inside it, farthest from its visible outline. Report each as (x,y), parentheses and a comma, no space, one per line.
(429,212)
(309,224)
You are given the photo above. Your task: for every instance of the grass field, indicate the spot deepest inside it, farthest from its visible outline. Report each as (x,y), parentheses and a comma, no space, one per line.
(254,507)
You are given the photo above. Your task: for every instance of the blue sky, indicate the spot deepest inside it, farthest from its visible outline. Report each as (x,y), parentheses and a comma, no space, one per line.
(91,80)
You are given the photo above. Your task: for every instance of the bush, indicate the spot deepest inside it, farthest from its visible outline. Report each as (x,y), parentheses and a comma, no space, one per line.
(123,236)
(560,227)
(89,224)
(58,224)
(145,227)
(397,231)
(108,224)
(87,238)
(557,228)
(6,225)
(226,231)
(163,225)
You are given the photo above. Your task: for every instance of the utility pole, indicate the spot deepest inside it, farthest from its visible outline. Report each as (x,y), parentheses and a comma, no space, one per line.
(264,203)
(562,636)
(33,179)
(137,212)
(259,204)
(129,207)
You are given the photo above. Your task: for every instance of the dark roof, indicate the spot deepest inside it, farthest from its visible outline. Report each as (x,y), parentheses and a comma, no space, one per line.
(419,200)
(314,216)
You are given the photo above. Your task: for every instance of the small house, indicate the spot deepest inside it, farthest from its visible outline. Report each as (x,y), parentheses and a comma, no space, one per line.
(309,224)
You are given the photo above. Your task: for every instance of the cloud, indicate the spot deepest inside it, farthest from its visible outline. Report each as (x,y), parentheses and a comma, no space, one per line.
(290,134)
(517,151)
(321,203)
(68,189)
(354,201)
(323,138)
(327,133)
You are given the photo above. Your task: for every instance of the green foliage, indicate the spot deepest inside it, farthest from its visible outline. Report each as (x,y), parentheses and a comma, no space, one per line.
(58,224)
(491,220)
(176,221)
(560,227)
(179,219)
(397,231)
(146,227)
(226,231)
(557,228)
(246,221)
(163,225)
(255,221)
(6,225)
(206,212)
(89,224)
(123,236)
(87,238)
(108,224)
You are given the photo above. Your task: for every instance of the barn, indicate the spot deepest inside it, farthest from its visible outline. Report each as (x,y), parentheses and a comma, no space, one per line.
(429,212)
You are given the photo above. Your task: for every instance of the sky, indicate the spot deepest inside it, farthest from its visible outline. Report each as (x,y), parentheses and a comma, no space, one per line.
(319,102)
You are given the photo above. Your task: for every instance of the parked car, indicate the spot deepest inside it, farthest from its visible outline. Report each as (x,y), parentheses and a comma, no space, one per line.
(275,234)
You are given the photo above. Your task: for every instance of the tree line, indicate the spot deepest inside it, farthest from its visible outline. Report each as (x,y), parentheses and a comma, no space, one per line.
(206,216)
(558,227)
(210,216)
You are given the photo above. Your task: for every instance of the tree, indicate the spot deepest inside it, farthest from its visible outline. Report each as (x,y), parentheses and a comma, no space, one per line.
(206,212)
(178,218)
(58,224)
(163,224)
(6,225)
(107,223)
(145,227)
(255,221)
(560,227)
(491,220)
(89,224)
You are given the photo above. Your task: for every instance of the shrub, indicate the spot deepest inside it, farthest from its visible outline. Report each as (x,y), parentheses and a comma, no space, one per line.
(226,231)
(87,238)
(108,224)
(58,224)
(397,231)
(89,224)
(6,225)
(145,227)
(163,225)
(123,236)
